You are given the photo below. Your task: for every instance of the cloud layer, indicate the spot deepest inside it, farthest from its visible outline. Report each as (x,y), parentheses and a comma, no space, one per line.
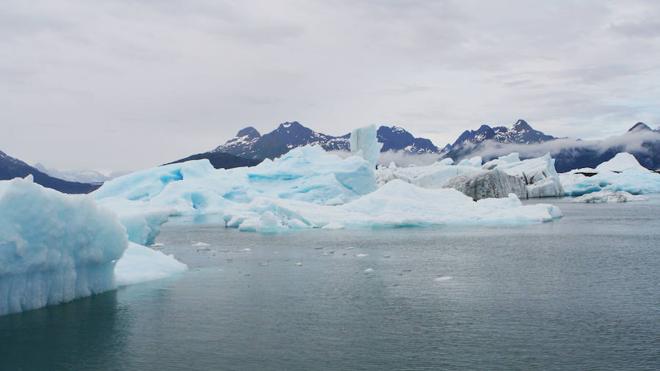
(124,84)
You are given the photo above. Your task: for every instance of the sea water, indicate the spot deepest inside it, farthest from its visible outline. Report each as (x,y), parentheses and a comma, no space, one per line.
(582,292)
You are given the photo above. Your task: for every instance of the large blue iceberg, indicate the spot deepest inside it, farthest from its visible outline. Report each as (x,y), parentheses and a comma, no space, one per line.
(55,248)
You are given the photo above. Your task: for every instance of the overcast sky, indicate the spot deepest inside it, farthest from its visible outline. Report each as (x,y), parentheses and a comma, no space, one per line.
(126,84)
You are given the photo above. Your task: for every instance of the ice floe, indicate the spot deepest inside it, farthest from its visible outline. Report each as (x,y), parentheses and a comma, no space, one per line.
(609,197)
(142,264)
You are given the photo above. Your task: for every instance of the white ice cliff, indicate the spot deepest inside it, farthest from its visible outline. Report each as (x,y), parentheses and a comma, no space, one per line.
(55,248)
(539,173)
(621,173)
(489,184)
(538,176)
(363,144)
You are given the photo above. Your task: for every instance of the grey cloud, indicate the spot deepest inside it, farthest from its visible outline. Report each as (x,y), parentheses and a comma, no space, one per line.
(133,83)
(630,142)
(649,29)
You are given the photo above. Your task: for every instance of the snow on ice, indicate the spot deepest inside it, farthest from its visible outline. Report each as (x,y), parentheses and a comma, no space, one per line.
(620,174)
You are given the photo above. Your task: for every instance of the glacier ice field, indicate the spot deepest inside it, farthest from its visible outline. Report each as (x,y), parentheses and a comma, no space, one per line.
(56,247)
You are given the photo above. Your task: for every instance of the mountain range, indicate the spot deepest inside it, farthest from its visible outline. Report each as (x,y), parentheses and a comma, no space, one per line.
(11,168)
(491,142)
(249,143)
(249,148)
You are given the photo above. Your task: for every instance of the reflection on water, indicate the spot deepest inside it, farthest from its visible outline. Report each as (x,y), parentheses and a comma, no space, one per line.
(84,332)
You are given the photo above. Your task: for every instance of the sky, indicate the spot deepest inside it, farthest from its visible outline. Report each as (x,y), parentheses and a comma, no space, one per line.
(128,84)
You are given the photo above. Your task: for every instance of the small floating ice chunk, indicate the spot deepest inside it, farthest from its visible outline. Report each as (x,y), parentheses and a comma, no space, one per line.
(609,197)
(247,249)
(333,226)
(368,270)
(361,255)
(299,264)
(201,244)
(443,278)
(141,264)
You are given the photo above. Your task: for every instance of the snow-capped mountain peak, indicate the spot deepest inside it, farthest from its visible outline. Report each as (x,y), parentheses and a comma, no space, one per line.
(11,167)
(396,138)
(288,135)
(248,132)
(521,125)
(520,132)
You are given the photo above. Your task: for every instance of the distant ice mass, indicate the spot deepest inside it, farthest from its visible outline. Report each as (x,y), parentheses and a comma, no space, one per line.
(532,178)
(621,174)
(305,188)
(609,197)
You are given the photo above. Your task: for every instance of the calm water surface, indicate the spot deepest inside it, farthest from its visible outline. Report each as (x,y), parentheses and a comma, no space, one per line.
(579,293)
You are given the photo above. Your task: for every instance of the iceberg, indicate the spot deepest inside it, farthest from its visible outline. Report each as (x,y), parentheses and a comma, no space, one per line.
(622,161)
(305,188)
(53,247)
(490,184)
(609,197)
(435,175)
(141,264)
(364,142)
(395,205)
(56,248)
(537,174)
(620,174)
(146,199)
